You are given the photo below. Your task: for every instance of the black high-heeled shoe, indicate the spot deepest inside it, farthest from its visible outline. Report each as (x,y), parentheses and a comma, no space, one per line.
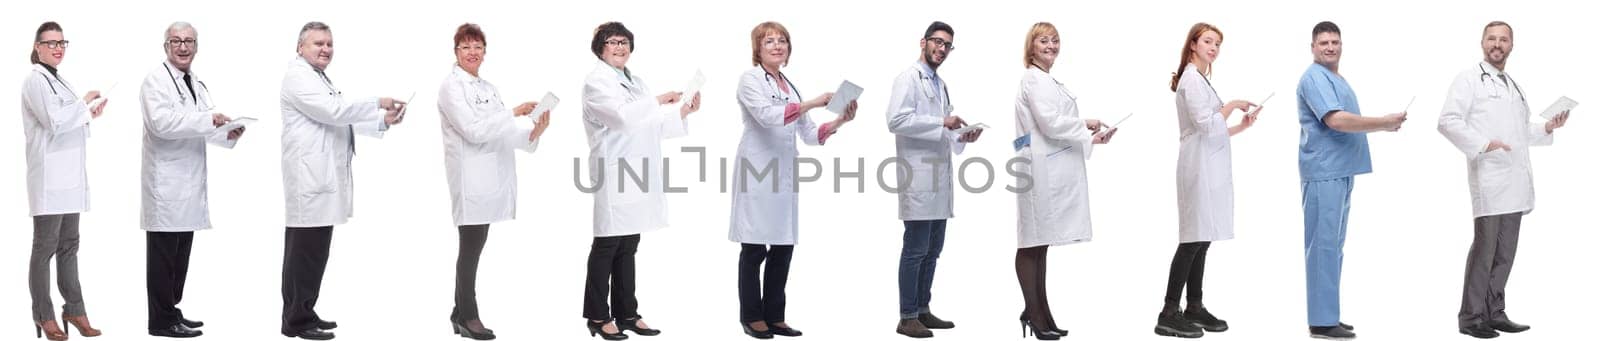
(595,328)
(465,330)
(1051,325)
(1045,334)
(633,325)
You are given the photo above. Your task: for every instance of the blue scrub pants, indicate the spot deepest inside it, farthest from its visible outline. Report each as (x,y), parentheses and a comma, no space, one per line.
(1327,212)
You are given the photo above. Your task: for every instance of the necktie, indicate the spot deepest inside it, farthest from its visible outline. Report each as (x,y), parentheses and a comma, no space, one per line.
(190,83)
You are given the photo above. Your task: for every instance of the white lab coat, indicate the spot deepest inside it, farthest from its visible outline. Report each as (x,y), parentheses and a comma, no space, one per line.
(1205,162)
(1055,211)
(173,167)
(766,209)
(916,117)
(318,144)
(55,122)
(480,134)
(625,124)
(1479,108)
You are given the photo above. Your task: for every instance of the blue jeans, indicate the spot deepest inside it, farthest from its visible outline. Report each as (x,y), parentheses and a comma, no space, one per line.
(1327,214)
(919,255)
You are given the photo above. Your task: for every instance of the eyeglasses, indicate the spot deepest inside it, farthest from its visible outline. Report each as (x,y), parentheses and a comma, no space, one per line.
(54,44)
(175,42)
(784,42)
(618,42)
(940,42)
(470,47)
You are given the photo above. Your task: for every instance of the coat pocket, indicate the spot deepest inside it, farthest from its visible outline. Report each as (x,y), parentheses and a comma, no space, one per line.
(64,169)
(316,174)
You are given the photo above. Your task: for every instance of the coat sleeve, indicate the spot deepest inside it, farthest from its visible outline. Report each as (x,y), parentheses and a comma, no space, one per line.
(755,101)
(1454,116)
(1055,115)
(55,114)
(163,118)
(474,126)
(1197,103)
(1537,136)
(308,95)
(902,114)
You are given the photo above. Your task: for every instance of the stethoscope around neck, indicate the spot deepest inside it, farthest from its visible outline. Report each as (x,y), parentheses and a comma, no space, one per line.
(777,94)
(1486,77)
(175,85)
(928,86)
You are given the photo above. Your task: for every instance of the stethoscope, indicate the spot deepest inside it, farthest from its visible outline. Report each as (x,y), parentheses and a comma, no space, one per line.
(1512,84)
(776,93)
(928,88)
(53,84)
(175,85)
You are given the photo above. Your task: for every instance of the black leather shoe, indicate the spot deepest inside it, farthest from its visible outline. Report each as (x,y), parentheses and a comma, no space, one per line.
(783,331)
(1508,327)
(633,325)
(1479,331)
(759,334)
(326,325)
(1347,327)
(176,330)
(312,334)
(192,324)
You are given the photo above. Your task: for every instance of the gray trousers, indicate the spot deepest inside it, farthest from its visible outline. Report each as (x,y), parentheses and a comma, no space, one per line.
(1494,248)
(55,236)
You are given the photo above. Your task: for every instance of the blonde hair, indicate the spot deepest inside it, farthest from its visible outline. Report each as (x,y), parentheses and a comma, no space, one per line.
(1188,49)
(1038,30)
(760,32)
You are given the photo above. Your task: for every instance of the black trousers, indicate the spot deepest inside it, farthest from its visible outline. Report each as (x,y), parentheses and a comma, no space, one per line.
(1188,269)
(472,239)
(611,270)
(166,266)
(305,257)
(758,302)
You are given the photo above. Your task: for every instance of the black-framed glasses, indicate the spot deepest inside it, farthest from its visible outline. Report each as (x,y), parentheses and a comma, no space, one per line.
(53,44)
(618,42)
(175,42)
(940,42)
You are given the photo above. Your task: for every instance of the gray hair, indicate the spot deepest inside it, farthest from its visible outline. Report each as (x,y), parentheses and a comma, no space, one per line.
(178,25)
(311,26)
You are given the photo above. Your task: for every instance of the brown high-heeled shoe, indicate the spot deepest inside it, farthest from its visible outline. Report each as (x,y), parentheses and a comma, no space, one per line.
(48,330)
(82,323)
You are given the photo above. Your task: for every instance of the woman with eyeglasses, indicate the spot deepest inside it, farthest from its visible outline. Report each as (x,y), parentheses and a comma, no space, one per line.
(625,126)
(766,210)
(480,139)
(1057,141)
(56,122)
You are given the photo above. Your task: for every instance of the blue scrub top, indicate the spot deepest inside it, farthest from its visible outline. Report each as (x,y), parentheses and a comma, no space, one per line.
(1326,153)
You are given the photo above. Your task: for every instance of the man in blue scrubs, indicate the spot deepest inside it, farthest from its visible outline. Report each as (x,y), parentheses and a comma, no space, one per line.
(1333,150)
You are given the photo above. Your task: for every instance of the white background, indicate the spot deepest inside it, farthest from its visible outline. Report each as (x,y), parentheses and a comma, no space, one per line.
(390,275)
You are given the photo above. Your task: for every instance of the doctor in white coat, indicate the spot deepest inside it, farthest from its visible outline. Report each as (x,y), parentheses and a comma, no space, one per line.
(919,117)
(1486,117)
(1205,181)
(1056,141)
(480,136)
(318,143)
(766,209)
(56,124)
(179,117)
(625,127)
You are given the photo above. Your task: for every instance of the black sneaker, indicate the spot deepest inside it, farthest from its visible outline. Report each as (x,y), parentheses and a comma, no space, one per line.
(1332,333)
(1203,319)
(1173,324)
(1480,330)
